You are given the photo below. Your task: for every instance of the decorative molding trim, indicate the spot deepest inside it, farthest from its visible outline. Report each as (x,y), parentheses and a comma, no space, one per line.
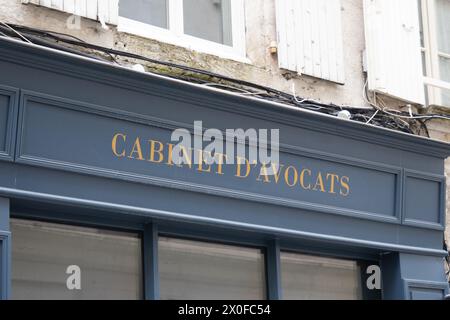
(13,94)
(442,198)
(422,284)
(57,102)
(161,214)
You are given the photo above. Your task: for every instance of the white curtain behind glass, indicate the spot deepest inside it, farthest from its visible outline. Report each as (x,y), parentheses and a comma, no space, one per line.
(307,277)
(110,262)
(199,270)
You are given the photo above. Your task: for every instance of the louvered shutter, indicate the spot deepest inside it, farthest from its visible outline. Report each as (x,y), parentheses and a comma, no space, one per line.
(394,61)
(102,10)
(310,38)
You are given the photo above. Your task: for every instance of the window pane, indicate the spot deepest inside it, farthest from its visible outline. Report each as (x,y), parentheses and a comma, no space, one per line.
(110,262)
(209,20)
(444,69)
(195,270)
(153,12)
(307,277)
(443,25)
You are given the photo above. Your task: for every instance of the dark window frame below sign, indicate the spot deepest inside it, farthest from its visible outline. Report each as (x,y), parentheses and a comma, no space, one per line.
(114,230)
(149,232)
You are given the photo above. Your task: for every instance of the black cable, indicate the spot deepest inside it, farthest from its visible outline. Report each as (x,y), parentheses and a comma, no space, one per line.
(154,61)
(52,34)
(381,119)
(40,41)
(174,65)
(287,96)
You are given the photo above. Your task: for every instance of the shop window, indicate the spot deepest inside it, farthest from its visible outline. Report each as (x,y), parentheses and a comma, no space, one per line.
(199,270)
(109,262)
(211,26)
(305,277)
(435,32)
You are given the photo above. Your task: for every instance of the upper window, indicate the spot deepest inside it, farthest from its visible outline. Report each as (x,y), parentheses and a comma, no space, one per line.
(211,26)
(435,33)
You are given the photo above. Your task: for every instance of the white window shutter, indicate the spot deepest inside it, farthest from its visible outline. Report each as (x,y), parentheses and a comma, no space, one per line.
(108,10)
(394,61)
(103,10)
(310,38)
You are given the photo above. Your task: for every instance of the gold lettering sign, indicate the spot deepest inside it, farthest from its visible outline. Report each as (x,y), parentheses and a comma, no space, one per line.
(157,152)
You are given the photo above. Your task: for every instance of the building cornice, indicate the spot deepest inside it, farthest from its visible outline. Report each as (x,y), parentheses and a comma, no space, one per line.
(74,65)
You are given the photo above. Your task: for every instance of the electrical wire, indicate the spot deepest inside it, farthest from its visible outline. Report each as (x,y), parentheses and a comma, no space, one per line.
(377,114)
(372,117)
(16,32)
(399,114)
(52,34)
(285,96)
(240,90)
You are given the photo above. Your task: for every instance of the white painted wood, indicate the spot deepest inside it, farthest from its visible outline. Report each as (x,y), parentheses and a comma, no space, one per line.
(46,3)
(91,9)
(113,16)
(299,45)
(80,8)
(306,36)
(108,10)
(176,17)
(394,59)
(30,1)
(310,38)
(238,27)
(57,4)
(317,21)
(337,64)
(281,24)
(289,11)
(69,6)
(325,63)
(103,10)
(437,83)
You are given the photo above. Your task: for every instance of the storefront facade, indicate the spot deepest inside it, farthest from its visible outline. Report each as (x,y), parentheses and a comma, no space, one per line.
(86,180)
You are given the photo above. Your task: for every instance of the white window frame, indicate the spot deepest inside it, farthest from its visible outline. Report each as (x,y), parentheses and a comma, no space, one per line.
(432,80)
(175,32)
